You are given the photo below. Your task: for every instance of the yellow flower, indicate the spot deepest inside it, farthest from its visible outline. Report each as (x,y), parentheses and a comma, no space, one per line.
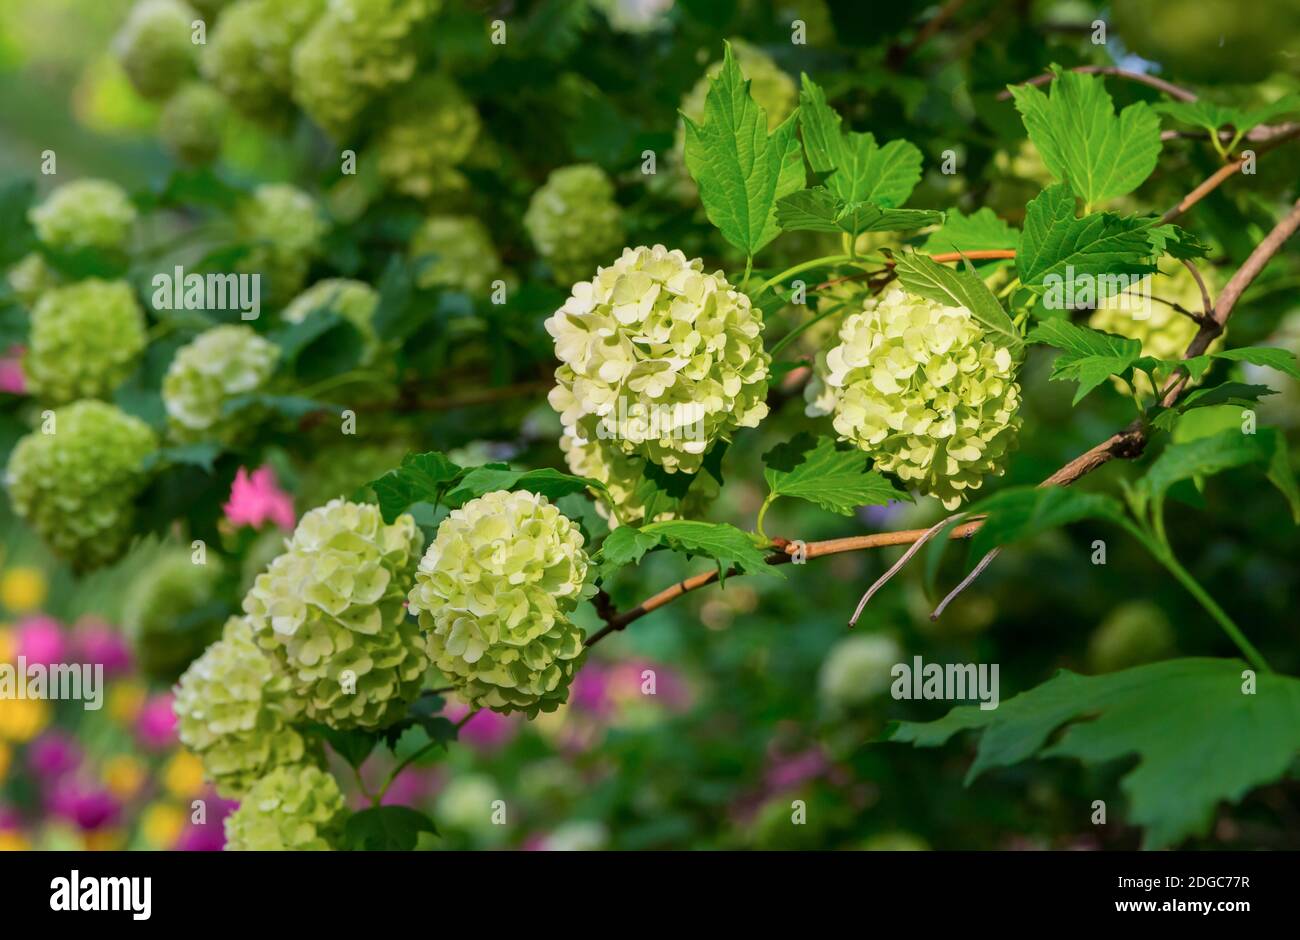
(23,719)
(161,825)
(105,840)
(125,701)
(123,775)
(5,754)
(8,645)
(182,777)
(14,842)
(23,589)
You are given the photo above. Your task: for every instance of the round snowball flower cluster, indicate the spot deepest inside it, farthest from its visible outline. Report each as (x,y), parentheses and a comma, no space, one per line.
(622,475)
(74,480)
(460,254)
(192,123)
(84,214)
(923,390)
(494,592)
(574,221)
(659,358)
(858,669)
(161,613)
(291,809)
(216,366)
(285,229)
(430,128)
(330,611)
(355,51)
(154,46)
(249,52)
(84,340)
(233,706)
(31,277)
(1163,331)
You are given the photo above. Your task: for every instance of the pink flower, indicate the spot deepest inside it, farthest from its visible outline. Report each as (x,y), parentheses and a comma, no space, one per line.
(41,640)
(156,724)
(97,643)
(486,731)
(257,498)
(11,372)
(789,771)
(210,835)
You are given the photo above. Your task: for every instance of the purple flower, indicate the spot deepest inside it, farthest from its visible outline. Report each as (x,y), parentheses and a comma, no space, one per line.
(87,807)
(210,836)
(95,642)
(41,640)
(486,731)
(12,379)
(156,725)
(590,690)
(52,755)
(788,771)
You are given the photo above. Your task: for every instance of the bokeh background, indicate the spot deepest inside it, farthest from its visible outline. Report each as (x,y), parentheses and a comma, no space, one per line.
(762,695)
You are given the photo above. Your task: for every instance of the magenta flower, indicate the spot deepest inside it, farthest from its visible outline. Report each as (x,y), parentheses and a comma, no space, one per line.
(486,731)
(41,640)
(789,771)
(209,836)
(12,379)
(156,725)
(53,755)
(95,642)
(256,499)
(87,807)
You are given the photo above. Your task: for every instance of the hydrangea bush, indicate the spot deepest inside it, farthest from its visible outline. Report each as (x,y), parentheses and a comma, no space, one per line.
(526,389)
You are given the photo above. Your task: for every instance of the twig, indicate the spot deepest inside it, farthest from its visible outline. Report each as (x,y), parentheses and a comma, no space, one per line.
(1126,444)
(965,583)
(1207,303)
(1170,89)
(1224,172)
(895,568)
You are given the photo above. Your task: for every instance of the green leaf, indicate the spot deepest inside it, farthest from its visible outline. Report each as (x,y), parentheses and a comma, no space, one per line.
(725,544)
(920,275)
(831,475)
(1056,246)
(16,235)
(203,454)
(421,478)
(547,482)
(1283,360)
(740,168)
(288,406)
(1214,117)
(817,210)
(1088,356)
(1207,456)
(386,829)
(1229,393)
(1024,511)
(1169,239)
(353,746)
(859,171)
(1198,739)
(982,230)
(1083,141)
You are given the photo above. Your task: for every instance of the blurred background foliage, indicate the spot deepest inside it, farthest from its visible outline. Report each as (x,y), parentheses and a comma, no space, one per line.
(762,694)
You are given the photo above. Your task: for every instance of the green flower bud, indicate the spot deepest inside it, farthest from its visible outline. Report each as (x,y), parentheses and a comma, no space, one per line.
(293,809)
(31,277)
(192,122)
(249,53)
(216,366)
(155,46)
(285,228)
(1134,633)
(75,486)
(923,390)
(234,707)
(622,475)
(85,340)
(356,50)
(164,613)
(330,611)
(857,670)
(494,592)
(659,359)
(1164,332)
(84,214)
(574,221)
(430,128)
(461,252)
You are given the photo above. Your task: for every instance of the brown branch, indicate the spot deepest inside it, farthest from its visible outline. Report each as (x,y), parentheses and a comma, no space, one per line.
(1224,172)
(1126,444)
(1170,89)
